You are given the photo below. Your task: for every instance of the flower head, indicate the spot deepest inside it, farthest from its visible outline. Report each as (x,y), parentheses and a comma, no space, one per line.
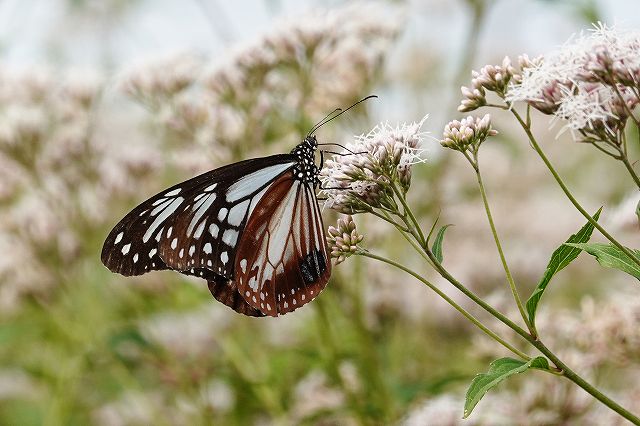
(492,78)
(591,83)
(467,133)
(361,178)
(343,239)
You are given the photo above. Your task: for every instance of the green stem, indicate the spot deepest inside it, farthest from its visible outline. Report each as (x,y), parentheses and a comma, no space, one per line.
(443,295)
(512,284)
(415,245)
(632,172)
(575,203)
(407,211)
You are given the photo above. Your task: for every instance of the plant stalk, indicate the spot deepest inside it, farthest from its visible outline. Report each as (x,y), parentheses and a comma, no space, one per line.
(450,301)
(566,191)
(512,284)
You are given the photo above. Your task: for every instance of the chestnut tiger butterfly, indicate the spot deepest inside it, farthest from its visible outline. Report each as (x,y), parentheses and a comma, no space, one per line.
(252,229)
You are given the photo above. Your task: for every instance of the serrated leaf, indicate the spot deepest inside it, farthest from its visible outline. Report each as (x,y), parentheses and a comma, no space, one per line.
(499,370)
(611,256)
(560,258)
(437,244)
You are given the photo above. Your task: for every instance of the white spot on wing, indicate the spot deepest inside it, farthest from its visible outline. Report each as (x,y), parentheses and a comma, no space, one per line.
(230,237)
(174,243)
(152,253)
(207,248)
(237,212)
(201,211)
(192,250)
(213,230)
(222,214)
(162,217)
(118,238)
(125,248)
(199,230)
(174,192)
(161,207)
(224,257)
(243,265)
(135,258)
(281,228)
(211,187)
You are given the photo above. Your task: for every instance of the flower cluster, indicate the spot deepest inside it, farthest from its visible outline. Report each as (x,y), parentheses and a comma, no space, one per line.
(468,133)
(362,177)
(56,176)
(592,83)
(344,239)
(267,89)
(492,78)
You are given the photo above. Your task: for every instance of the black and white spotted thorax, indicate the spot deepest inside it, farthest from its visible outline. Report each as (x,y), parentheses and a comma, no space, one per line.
(306,169)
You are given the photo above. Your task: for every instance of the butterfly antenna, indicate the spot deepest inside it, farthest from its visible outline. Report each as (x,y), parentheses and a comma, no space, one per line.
(321,122)
(339,111)
(343,147)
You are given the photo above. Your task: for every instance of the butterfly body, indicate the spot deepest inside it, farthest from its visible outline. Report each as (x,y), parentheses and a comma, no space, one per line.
(252,229)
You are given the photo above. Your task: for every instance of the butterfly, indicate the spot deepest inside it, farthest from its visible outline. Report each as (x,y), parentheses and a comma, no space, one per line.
(252,229)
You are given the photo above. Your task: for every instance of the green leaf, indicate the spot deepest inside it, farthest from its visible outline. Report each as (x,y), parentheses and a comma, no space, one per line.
(499,370)
(560,258)
(437,244)
(611,256)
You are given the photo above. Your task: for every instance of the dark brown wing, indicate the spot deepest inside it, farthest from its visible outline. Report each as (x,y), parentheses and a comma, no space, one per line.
(171,229)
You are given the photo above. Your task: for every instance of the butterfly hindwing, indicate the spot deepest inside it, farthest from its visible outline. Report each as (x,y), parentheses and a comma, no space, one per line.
(282,261)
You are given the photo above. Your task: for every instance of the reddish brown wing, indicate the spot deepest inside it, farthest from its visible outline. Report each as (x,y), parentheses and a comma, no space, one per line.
(282,261)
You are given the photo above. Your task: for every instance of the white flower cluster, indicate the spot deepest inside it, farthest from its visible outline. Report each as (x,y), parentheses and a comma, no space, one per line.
(492,78)
(360,178)
(468,132)
(592,82)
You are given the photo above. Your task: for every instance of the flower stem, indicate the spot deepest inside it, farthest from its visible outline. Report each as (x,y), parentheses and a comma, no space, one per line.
(407,211)
(507,271)
(575,203)
(632,172)
(443,295)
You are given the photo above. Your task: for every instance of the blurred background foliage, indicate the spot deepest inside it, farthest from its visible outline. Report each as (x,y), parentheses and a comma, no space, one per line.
(103,104)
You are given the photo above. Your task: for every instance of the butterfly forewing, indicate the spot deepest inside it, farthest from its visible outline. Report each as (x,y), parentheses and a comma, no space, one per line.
(183,227)
(282,260)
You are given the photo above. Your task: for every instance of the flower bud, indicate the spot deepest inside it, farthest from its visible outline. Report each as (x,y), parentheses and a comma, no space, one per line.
(343,239)
(467,133)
